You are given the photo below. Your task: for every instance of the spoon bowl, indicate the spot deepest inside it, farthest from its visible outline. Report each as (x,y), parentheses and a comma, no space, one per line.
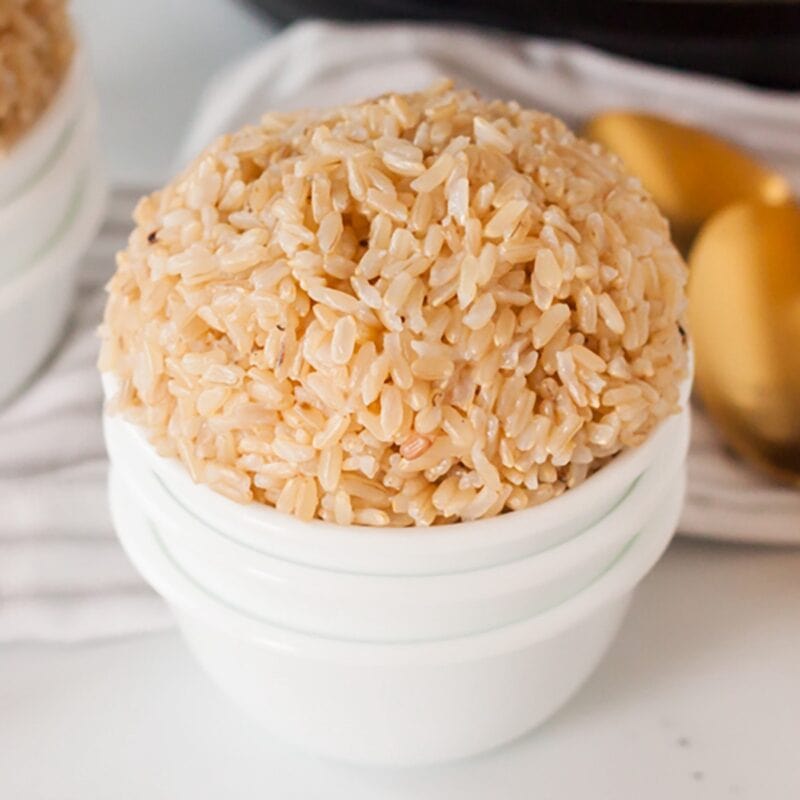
(691,174)
(744,312)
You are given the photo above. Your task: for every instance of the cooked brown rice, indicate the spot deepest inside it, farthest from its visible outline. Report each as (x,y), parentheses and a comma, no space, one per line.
(35,51)
(419,309)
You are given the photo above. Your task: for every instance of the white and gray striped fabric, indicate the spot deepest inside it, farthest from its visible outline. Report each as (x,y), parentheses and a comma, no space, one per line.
(63,576)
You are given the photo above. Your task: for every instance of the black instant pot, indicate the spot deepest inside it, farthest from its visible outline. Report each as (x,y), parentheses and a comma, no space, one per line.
(756,42)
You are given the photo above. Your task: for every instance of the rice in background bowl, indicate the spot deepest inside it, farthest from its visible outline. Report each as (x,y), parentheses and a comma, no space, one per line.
(419,309)
(36,49)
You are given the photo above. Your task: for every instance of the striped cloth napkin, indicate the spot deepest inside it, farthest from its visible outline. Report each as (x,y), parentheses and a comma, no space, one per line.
(63,576)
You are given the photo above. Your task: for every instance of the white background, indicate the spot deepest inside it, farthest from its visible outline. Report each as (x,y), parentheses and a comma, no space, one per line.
(699,698)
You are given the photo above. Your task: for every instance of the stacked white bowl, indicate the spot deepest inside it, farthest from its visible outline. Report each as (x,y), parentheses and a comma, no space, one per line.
(401,646)
(51,204)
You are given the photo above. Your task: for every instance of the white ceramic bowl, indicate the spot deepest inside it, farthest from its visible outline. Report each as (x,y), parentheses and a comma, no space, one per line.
(34,305)
(413,551)
(398,704)
(30,222)
(389,608)
(33,153)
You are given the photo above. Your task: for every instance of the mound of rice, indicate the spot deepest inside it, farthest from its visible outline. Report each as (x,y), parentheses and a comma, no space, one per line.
(420,309)
(35,52)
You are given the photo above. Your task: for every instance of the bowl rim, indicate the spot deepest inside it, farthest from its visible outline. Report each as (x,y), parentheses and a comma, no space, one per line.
(617,475)
(45,134)
(630,514)
(63,174)
(184,594)
(75,234)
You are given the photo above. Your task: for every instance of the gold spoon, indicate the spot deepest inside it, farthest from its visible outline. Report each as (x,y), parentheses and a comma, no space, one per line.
(691,174)
(744,312)
(744,293)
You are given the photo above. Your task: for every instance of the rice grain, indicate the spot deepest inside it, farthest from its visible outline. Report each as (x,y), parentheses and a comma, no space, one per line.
(419,309)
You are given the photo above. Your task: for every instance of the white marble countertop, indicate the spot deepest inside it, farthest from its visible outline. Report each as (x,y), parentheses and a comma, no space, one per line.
(699,697)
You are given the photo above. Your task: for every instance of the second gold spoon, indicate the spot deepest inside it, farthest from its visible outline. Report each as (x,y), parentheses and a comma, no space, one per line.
(744,313)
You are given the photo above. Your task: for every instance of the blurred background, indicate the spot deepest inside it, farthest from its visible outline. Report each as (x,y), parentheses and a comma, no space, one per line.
(147,99)
(146,109)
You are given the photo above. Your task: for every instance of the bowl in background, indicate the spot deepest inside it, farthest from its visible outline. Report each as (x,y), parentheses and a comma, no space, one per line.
(29,157)
(52,196)
(29,222)
(35,304)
